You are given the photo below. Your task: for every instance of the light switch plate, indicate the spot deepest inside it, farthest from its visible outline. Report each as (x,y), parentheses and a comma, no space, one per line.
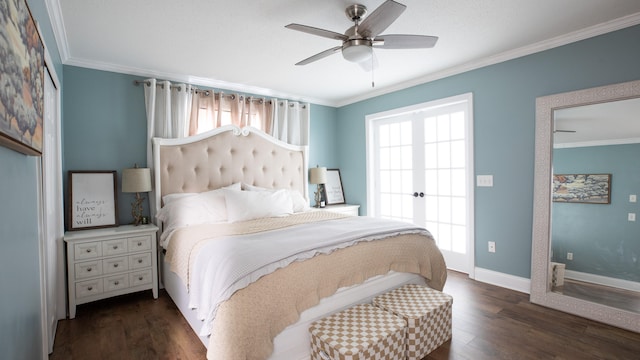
(632,216)
(632,198)
(484,180)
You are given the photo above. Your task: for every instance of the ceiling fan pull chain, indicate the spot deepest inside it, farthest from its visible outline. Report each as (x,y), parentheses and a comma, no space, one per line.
(373,84)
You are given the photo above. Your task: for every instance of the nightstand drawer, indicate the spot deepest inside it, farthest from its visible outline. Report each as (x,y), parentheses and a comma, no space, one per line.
(114,265)
(139,243)
(116,282)
(89,250)
(140,277)
(89,287)
(114,247)
(88,269)
(139,261)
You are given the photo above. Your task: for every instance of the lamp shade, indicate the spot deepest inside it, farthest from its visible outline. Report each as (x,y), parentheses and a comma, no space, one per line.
(318,175)
(136,180)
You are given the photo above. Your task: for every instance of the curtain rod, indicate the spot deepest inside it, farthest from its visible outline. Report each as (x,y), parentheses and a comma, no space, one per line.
(202,91)
(208,92)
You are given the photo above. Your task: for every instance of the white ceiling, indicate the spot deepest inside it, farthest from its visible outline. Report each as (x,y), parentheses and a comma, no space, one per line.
(243,45)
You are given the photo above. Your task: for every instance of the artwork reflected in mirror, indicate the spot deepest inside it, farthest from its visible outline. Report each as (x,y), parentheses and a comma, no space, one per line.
(595,241)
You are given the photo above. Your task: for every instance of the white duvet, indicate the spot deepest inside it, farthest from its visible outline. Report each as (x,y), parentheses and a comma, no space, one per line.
(230,263)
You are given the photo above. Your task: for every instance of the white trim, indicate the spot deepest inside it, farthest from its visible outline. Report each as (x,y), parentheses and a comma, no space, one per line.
(59,32)
(503,280)
(602,280)
(55,16)
(597,143)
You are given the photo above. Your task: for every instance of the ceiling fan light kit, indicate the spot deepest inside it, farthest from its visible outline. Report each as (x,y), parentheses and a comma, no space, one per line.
(359,40)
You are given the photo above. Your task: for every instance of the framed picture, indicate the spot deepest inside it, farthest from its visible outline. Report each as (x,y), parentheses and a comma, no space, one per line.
(21,79)
(92,199)
(582,188)
(333,192)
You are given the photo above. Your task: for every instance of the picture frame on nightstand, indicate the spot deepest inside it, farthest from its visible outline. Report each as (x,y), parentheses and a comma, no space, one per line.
(92,200)
(333,191)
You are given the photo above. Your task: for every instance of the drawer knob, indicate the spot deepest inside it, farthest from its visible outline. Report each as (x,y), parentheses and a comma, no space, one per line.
(115,265)
(88,250)
(115,247)
(139,261)
(88,269)
(139,243)
(116,283)
(90,288)
(140,278)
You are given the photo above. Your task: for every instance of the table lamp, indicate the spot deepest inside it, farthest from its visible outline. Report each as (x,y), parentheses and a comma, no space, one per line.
(136,180)
(318,176)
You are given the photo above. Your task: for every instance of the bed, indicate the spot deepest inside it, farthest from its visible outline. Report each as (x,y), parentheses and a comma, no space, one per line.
(241,192)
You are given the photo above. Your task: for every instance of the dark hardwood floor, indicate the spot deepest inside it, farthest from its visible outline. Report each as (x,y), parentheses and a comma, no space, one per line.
(489,322)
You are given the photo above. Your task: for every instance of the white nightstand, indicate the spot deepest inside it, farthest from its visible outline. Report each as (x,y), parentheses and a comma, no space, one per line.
(346,209)
(106,262)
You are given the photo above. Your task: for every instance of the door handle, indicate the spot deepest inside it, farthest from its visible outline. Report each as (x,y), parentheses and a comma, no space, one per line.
(416,194)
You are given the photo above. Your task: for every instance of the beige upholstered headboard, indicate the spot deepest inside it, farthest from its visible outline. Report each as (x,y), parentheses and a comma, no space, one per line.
(225,156)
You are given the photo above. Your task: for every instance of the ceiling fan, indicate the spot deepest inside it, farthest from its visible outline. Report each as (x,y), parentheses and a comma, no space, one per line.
(360,39)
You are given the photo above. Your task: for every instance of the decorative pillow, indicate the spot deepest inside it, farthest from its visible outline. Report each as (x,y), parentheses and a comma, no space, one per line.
(248,205)
(299,202)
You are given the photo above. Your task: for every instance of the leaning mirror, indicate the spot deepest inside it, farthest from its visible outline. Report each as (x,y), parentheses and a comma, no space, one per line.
(586,250)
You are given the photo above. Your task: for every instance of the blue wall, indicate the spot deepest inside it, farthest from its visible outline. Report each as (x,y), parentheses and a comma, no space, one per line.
(602,240)
(105,128)
(504,119)
(20,332)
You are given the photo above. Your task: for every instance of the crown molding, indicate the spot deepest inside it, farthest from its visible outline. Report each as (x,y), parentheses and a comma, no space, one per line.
(59,32)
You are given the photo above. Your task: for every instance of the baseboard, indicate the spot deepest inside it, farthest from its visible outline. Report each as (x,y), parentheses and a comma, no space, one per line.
(512,282)
(602,280)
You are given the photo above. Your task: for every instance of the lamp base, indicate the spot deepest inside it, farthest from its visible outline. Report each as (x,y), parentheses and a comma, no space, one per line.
(136,210)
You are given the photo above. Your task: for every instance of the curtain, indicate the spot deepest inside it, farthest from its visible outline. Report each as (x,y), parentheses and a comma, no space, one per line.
(168,110)
(291,122)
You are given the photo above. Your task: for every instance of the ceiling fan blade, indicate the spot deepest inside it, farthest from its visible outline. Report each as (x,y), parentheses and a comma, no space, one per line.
(319,56)
(380,19)
(405,41)
(316,31)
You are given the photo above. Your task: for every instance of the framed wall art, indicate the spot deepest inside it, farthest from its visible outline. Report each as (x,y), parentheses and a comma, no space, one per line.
(21,79)
(582,188)
(333,192)
(92,199)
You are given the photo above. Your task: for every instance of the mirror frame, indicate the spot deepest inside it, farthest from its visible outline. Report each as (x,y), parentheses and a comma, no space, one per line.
(540,255)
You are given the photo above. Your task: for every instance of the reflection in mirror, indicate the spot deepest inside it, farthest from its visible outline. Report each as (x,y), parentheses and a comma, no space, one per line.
(585,236)
(595,249)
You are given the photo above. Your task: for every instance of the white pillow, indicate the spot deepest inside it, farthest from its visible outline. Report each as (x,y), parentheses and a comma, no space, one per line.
(248,205)
(172,197)
(299,202)
(185,209)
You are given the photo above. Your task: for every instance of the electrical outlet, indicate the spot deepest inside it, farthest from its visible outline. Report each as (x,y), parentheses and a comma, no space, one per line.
(492,246)
(632,198)
(569,256)
(632,216)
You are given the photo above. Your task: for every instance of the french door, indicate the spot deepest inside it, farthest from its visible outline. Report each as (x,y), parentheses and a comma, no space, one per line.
(420,170)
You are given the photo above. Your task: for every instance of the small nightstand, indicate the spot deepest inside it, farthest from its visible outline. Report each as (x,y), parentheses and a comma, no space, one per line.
(346,209)
(107,262)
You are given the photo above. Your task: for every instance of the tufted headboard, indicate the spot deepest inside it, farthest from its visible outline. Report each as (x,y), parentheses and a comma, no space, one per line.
(225,156)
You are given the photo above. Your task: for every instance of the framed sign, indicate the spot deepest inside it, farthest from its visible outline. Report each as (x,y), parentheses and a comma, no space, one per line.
(22,79)
(92,199)
(333,192)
